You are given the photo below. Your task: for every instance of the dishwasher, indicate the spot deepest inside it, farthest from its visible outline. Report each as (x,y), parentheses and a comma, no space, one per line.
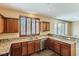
(43,44)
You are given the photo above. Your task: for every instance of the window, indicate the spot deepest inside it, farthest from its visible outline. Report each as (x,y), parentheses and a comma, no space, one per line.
(61,27)
(33,26)
(23,25)
(29,26)
(28,29)
(37,26)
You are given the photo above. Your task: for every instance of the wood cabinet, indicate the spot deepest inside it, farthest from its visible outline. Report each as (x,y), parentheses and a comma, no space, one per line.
(30,47)
(11,25)
(61,48)
(37,45)
(50,44)
(1,25)
(57,46)
(24,49)
(16,49)
(45,26)
(65,49)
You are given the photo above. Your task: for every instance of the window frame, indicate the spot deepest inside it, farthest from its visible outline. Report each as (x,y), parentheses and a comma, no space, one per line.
(30,26)
(57,30)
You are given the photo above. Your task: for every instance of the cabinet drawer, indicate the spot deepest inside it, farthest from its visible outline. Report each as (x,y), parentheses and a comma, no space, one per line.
(57,42)
(24,43)
(65,44)
(16,45)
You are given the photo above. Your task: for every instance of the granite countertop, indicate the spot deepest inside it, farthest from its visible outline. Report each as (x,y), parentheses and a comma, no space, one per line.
(6,44)
(63,40)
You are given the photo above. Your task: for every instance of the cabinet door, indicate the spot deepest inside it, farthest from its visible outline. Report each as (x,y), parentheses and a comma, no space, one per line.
(16,49)
(65,49)
(24,48)
(50,44)
(37,45)
(47,41)
(12,26)
(30,47)
(1,25)
(57,46)
(17,52)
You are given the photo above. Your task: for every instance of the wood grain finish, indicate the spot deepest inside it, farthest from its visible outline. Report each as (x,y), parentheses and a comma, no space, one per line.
(1,25)
(50,44)
(37,45)
(16,49)
(45,26)
(30,47)
(65,49)
(57,46)
(61,48)
(24,49)
(11,26)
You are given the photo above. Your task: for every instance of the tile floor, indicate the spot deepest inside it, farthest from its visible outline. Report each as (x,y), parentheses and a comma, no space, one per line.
(45,53)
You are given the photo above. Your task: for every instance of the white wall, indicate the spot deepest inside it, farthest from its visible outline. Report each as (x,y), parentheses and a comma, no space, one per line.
(75,29)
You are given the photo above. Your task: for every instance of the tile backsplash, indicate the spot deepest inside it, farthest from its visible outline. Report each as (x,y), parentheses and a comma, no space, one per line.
(9,35)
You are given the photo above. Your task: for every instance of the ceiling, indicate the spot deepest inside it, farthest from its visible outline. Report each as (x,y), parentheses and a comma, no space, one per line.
(63,11)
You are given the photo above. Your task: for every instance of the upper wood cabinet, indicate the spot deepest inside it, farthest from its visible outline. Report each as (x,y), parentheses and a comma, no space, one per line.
(45,26)
(1,24)
(11,25)
(8,25)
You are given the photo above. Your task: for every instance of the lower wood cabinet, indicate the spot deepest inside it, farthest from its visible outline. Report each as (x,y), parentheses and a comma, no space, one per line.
(57,46)
(37,45)
(16,49)
(50,44)
(61,48)
(65,49)
(30,47)
(24,49)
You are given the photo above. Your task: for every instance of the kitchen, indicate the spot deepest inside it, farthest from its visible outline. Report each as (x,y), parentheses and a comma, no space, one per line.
(29,34)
